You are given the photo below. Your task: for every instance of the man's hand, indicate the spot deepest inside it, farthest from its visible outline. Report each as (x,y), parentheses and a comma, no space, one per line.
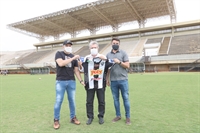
(102,57)
(79,63)
(83,83)
(116,60)
(108,83)
(76,57)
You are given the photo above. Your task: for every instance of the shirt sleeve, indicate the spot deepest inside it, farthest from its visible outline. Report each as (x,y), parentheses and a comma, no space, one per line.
(75,63)
(58,55)
(125,57)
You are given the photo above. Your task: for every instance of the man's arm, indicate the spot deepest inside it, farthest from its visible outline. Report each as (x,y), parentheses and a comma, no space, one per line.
(80,66)
(125,64)
(108,78)
(103,57)
(62,62)
(78,75)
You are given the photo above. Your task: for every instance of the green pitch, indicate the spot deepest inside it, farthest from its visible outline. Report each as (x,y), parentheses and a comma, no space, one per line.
(160,103)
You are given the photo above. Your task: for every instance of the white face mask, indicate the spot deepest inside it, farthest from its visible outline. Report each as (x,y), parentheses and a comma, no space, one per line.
(94,51)
(68,49)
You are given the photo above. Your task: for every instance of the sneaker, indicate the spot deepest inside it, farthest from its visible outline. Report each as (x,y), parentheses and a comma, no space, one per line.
(89,121)
(101,121)
(75,121)
(116,119)
(128,121)
(56,124)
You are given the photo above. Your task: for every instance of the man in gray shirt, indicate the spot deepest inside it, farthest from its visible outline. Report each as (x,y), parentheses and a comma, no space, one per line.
(119,79)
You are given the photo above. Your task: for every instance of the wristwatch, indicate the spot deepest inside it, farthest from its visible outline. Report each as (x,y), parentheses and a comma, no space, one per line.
(81,81)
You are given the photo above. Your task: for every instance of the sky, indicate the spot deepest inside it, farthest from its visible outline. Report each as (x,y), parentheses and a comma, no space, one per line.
(12,11)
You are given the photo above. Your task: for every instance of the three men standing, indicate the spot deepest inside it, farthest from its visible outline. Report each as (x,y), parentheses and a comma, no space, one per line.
(97,73)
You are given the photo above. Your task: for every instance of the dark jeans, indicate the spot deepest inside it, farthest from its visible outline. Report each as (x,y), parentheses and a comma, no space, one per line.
(90,100)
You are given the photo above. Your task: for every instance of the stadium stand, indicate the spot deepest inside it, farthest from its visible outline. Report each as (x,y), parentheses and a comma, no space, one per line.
(83,51)
(154,40)
(177,43)
(19,58)
(50,58)
(139,48)
(128,45)
(185,44)
(105,48)
(34,57)
(11,57)
(164,46)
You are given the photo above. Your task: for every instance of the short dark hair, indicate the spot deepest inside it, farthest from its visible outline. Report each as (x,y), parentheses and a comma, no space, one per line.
(116,39)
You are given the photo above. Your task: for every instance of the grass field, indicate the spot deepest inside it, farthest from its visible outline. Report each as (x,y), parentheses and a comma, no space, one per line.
(160,103)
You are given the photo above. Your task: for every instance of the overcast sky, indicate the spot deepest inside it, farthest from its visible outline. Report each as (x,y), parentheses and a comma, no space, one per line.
(12,11)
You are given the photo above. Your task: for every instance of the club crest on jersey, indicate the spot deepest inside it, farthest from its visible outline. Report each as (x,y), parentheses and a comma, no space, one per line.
(102,63)
(95,72)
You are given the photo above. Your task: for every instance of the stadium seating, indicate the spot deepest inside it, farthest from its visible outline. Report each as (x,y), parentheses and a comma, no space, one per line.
(12,57)
(185,44)
(154,40)
(128,45)
(34,57)
(164,46)
(179,48)
(139,48)
(50,58)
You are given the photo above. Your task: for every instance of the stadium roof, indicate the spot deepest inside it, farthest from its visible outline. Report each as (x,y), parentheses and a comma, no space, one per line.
(94,16)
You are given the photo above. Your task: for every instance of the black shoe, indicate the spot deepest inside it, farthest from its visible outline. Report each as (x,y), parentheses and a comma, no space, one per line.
(101,121)
(89,121)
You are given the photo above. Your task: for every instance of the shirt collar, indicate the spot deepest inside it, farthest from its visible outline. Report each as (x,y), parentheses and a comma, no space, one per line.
(113,52)
(96,55)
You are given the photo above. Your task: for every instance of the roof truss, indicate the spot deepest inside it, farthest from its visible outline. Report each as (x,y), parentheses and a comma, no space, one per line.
(94,16)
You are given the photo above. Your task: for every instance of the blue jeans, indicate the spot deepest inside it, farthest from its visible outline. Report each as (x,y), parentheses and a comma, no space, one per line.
(116,87)
(70,87)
